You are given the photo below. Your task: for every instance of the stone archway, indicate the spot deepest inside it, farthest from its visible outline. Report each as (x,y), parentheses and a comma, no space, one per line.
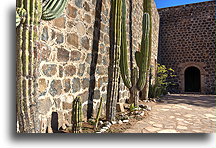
(183,67)
(192,79)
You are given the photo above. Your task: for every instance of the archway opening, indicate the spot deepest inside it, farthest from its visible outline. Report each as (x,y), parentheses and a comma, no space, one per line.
(192,80)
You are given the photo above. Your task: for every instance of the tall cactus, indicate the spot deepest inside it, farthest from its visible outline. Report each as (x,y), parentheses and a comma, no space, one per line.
(116,26)
(137,82)
(28,15)
(77,116)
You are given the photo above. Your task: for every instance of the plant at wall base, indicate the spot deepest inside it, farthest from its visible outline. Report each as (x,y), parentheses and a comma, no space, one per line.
(77,116)
(162,81)
(98,113)
(138,79)
(28,16)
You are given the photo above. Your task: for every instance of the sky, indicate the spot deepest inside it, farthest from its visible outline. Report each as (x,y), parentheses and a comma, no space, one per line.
(170,3)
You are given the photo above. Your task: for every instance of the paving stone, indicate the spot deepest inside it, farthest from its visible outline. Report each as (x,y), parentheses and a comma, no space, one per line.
(210,115)
(168,131)
(181,127)
(158,125)
(152,129)
(178,118)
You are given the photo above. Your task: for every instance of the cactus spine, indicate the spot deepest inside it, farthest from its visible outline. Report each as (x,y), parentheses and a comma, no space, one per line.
(28,15)
(77,116)
(141,57)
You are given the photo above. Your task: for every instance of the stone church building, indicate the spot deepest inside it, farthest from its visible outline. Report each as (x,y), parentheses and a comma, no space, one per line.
(187,44)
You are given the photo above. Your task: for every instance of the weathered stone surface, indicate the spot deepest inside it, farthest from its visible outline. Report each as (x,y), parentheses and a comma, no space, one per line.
(86,6)
(68,116)
(67,106)
(44,105)
(70,70)
(61,71)
(42,85)
(97,94)
(85,83)
(120,107)
(57,102)
(76,85)
(59,22)
(85,42)
(81,30)
(79,3)
(55,88)
(67,85)
(53,34)
(62,55)
(72,38)
(87,18)
(100,70)
(84,96)
(102,81)
(89,58)
(49,69)
(60,38)
(72,11)
(45,35)
(45,53)
(75,55)
(81,69)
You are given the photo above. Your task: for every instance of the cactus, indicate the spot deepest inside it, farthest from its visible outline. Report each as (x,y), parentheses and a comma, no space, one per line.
(28,15)
(113,87)
(137,82)
(53,9)
(98,113)
(18,19)
(77,116)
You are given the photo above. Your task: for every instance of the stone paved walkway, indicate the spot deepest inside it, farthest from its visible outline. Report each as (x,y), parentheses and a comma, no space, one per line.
(180,114)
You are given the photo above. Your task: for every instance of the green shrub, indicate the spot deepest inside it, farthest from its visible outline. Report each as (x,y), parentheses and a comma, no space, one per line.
(162,81)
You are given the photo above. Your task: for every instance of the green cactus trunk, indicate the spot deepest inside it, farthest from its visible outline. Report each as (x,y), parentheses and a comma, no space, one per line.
(111,103)
(77,116)
(25,33)
(147,8)
(141,57)
(28,15)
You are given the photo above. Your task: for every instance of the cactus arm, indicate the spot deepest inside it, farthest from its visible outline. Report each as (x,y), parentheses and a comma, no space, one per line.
(123,50)
(53,9)
(20,16)
(18,19)
(144,53)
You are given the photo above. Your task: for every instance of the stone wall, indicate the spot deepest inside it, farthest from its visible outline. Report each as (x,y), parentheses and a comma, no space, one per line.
(74,57)
(187,38)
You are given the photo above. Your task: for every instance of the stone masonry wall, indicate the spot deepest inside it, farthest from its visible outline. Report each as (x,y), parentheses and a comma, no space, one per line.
(72,47)
(187,38)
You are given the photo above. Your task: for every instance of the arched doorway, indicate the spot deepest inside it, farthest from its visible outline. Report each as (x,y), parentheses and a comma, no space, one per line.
(192,79)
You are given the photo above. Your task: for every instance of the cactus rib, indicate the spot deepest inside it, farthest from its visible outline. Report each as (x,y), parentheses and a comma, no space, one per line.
(53,9)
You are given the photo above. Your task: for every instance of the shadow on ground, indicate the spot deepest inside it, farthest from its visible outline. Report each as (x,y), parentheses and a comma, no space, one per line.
(191,99)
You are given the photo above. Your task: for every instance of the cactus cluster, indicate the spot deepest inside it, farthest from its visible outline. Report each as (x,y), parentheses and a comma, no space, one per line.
(77,116)
(138,79)
(28,15)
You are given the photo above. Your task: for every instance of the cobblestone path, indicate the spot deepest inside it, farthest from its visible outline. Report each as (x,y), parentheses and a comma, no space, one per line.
(180,114)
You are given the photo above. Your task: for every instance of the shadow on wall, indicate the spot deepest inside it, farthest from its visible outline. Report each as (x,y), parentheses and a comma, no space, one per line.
(95,46)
